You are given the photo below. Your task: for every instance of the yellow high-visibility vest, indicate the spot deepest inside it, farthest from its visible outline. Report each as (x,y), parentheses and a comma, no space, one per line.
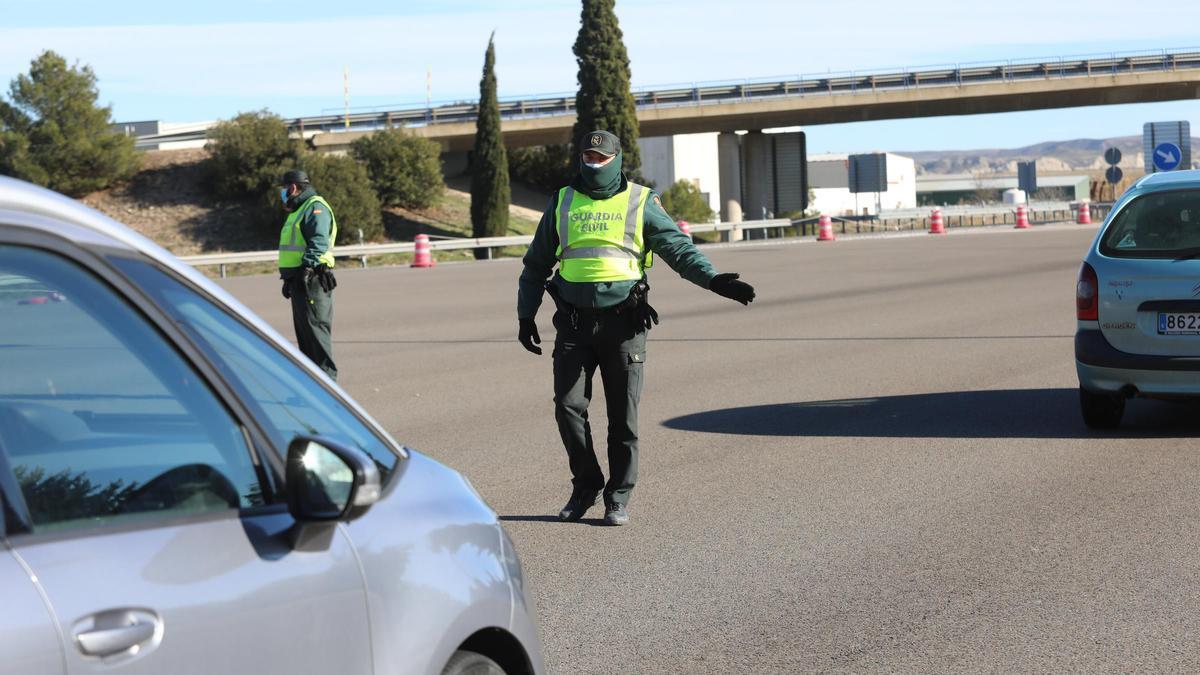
(291,239)
(601,239)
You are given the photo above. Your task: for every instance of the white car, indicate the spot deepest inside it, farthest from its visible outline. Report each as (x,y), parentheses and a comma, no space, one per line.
(1138,300)
(182,492)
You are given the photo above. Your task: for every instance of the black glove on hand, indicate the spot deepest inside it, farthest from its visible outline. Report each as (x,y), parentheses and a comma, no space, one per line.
(727,285)
(326,279)
(646,315)
(528,336)
(287,289)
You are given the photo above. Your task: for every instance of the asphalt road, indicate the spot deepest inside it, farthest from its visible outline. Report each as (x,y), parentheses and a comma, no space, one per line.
(877,466)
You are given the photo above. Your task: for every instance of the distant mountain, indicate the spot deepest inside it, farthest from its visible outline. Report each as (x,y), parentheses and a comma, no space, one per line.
(1082,154)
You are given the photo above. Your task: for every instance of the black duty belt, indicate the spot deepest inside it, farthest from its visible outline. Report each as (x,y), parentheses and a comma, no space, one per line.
(614,309)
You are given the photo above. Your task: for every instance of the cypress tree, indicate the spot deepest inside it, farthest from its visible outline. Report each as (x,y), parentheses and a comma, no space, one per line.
(604,100)
(490,191)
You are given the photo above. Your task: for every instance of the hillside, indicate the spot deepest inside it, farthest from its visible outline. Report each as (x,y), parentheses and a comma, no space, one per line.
(1083,154)
(167,201)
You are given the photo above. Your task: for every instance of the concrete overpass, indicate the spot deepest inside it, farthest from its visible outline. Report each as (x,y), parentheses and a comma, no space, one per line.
(804,101)
(807,101)
(754,105)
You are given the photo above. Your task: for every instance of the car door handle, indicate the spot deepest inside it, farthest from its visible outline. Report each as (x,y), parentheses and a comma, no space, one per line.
(116,631)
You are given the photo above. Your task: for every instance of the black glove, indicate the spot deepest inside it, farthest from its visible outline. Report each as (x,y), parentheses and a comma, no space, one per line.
(287,289)
(528,335)
(326,279)
(646,315)
(727,285)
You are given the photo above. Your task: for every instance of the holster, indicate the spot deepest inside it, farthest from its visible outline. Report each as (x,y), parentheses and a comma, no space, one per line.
(565,308)
(637,296)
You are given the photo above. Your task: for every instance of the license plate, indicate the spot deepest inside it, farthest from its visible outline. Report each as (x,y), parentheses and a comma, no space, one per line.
(1179,323)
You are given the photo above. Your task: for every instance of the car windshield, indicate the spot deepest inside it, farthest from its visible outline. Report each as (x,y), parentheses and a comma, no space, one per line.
(282,396)
(1156,225)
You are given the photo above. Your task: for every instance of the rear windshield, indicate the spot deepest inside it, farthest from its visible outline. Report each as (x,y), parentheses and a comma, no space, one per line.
(1156,225)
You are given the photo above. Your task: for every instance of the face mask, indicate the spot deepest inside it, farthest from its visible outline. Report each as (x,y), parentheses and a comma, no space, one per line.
(602,180)
(283,194)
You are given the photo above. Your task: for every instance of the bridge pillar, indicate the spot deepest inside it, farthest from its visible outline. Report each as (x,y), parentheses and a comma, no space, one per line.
(729,168)
(756,158)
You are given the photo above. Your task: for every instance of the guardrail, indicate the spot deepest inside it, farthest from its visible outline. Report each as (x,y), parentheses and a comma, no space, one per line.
(362,251)
(908,219)
(706,93)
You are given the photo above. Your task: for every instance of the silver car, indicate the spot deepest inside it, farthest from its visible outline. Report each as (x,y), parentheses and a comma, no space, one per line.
(1138,300)
(183,492)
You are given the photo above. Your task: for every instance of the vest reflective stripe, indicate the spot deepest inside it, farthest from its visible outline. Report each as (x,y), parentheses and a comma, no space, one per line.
(291,240)
(600,252)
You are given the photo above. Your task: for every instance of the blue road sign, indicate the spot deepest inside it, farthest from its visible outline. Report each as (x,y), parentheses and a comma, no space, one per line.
(1167,156)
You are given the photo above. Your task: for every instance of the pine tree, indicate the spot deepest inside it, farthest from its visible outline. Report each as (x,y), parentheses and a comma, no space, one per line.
(490,190)
(53,133)
(604,100)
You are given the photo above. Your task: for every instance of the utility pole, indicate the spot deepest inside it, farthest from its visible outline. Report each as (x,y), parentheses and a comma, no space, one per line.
(346,92)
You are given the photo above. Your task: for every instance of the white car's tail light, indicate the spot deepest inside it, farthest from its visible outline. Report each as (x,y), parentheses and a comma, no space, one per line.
(1087,290)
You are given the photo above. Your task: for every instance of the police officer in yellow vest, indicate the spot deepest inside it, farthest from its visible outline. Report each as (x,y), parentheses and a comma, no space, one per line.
(602,231)
(306,267)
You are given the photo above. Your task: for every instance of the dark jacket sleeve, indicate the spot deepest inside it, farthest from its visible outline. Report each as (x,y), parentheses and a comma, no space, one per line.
(539,262)
(668,242)
(316,226)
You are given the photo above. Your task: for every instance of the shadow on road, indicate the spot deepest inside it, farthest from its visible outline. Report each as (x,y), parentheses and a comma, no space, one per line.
(1016,413)
(550,519)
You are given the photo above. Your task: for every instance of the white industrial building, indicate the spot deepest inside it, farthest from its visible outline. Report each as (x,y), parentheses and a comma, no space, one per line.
(775,186)
(689,157)
(944,189)
(829,180)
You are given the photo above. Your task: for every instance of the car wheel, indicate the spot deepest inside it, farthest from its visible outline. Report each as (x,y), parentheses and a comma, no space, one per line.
(1101,411)
(471,663)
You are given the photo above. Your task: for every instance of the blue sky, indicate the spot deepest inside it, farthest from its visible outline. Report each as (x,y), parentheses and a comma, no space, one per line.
(185,62)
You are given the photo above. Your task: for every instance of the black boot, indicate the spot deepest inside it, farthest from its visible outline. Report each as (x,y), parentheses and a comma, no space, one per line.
(580,502)
(615,514)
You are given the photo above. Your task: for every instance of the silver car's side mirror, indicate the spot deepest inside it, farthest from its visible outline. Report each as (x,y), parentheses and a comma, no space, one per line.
(327,480)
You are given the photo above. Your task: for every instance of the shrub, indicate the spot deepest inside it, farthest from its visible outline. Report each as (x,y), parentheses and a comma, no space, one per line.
(249,154)
(344,184)
(683,201)
(405,170)
(545,167)
(54,134)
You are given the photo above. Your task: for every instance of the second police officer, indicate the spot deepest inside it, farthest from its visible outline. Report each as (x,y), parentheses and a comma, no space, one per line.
(602,231)
(306,267)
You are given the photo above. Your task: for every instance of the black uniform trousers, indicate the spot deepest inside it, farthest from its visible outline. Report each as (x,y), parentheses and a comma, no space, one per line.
(312,316)
(610,341)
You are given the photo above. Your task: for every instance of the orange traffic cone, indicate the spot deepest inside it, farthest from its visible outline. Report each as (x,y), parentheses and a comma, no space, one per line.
(1022,217)
(1084,216)
(825,228)
(936,226)
(422,254)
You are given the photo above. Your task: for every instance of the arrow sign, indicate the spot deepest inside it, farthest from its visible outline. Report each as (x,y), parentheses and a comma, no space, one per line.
(1114,174)
(1167,156)
(1112,156)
